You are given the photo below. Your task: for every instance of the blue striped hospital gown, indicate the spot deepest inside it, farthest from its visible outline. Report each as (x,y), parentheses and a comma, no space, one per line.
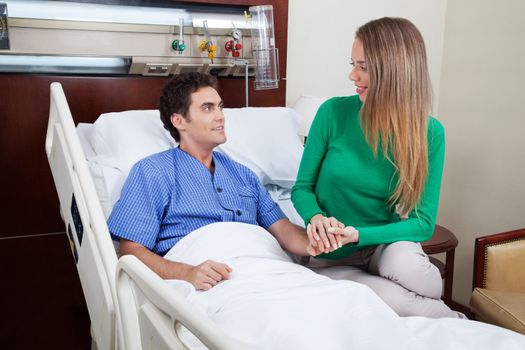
(169,194)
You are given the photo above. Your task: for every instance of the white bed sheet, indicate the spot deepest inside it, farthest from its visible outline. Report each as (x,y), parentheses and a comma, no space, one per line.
(272,303)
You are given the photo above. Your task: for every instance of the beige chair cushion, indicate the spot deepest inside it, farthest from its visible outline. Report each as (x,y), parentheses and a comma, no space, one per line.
(500,308)
(505,266)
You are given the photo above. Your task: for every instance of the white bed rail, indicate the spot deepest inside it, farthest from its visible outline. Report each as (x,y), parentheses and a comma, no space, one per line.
(153,313)
(85,223)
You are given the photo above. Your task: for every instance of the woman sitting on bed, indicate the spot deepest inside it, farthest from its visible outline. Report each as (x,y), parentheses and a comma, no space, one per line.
(373,162)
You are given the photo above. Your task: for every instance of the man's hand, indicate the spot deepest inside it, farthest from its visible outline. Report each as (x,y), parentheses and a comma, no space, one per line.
(207,274)
(313,251)
(202,277)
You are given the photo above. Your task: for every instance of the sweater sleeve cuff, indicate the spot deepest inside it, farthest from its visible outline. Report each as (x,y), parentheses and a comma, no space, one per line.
(311,214)
(366,237)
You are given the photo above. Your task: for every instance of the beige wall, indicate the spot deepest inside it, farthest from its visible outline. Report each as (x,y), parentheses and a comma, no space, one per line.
(481,105)
(320,41)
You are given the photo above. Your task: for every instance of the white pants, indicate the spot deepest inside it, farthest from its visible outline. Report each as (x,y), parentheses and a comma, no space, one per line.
(400,273)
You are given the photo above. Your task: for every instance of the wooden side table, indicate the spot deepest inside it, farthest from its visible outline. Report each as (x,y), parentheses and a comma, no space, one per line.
(443,241)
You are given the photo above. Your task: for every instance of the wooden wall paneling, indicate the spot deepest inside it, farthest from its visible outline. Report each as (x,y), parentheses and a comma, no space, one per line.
(27,206)
(43,306)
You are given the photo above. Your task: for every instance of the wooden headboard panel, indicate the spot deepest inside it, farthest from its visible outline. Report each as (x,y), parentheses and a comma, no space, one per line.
(29,200)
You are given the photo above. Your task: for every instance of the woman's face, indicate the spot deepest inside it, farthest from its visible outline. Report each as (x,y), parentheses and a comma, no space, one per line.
(359,72)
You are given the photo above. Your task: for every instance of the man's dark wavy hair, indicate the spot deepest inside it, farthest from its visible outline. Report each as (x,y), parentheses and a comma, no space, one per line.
(175,96)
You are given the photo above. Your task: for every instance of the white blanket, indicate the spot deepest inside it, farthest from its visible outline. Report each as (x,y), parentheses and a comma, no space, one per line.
(271,303)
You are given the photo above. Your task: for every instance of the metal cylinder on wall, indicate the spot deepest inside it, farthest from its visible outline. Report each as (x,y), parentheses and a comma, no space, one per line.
(264,50)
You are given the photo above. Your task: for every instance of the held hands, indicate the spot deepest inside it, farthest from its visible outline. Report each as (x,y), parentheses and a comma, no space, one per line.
(328,234)
(207,275)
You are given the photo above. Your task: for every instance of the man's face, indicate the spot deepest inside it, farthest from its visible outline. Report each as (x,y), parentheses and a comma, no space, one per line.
(203,126)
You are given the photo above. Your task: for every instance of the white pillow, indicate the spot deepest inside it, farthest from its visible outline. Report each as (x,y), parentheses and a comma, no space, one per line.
(121,139)
(283,198)
(266,140)
(108,183)
(307,106)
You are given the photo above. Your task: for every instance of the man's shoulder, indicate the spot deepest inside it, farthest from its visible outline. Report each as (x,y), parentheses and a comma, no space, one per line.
(226,160)
(160,157)
(160,161)
(229,163)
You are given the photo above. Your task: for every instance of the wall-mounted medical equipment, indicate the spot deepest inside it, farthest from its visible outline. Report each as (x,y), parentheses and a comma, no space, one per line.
(264,50)
(207,44)
(234,44)
(178,44)
(146,40)
(168,41)
(64,64)
(4,28)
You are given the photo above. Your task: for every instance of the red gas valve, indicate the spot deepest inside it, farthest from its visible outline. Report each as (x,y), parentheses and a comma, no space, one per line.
(233,45)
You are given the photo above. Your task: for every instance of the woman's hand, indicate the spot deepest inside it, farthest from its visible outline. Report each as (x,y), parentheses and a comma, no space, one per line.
(343,236)
(319,235)
(348,234)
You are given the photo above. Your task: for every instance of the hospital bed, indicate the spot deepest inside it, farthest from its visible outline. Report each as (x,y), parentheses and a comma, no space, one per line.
(87,190)
(267,303)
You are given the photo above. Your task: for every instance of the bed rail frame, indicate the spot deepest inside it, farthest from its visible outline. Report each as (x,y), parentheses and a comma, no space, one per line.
(154,313)
(84,220)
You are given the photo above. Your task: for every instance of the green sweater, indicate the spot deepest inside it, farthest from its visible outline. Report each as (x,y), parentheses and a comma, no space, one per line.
(339,176)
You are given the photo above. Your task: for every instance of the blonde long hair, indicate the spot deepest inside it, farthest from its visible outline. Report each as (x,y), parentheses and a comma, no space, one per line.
(395,113)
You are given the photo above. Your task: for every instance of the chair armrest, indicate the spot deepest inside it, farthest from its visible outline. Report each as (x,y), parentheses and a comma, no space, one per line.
(499,261)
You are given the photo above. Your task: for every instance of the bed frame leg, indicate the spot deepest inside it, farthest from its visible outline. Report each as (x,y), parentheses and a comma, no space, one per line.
(93,342)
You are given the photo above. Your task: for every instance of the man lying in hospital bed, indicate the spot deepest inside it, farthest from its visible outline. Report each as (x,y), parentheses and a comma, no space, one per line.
(271,303)
(170,194)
